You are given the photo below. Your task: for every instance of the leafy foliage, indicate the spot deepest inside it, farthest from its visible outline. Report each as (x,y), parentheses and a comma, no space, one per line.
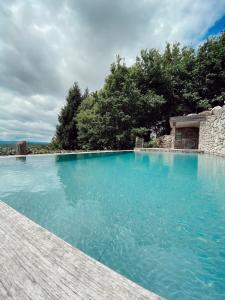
(66,130)
(111,118)
(138,100)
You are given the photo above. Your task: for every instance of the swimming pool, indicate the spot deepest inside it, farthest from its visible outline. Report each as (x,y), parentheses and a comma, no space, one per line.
(157,218)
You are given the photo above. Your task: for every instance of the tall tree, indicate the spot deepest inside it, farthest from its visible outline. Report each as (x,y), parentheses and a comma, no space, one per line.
(66,130)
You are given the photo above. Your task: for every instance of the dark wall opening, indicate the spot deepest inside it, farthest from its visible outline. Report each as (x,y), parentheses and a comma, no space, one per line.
(186,138)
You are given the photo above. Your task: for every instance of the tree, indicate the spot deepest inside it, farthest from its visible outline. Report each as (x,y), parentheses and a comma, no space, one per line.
(211,70)
(139,100)
(113,117)
(66,130)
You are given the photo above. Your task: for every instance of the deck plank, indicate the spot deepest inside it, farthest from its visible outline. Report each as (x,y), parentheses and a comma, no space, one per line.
(35,264)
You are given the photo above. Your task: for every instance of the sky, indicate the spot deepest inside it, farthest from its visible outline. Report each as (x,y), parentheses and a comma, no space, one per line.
(47,45)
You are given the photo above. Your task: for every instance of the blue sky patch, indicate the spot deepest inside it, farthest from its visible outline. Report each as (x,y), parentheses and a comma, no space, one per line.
(216,28)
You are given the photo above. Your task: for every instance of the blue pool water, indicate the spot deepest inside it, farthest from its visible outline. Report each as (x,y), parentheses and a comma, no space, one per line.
(157,218)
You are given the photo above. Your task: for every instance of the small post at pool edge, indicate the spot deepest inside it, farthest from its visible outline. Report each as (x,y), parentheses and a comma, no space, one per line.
(21,148)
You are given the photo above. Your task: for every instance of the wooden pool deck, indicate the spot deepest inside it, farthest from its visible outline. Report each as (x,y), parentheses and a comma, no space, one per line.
(35,264)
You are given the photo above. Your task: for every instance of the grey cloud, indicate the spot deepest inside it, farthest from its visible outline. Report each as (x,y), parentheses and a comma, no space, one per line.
(46,45)
(116,22)
(29,64)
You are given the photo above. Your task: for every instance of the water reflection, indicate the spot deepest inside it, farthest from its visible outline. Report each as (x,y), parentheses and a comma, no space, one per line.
(168,162)
(212,168)
(22,159)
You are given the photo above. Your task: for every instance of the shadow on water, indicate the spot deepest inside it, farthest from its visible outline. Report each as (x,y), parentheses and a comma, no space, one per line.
(22,159)
(78,156)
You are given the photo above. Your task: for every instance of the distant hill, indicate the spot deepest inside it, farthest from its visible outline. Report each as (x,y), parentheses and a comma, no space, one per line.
(29,142)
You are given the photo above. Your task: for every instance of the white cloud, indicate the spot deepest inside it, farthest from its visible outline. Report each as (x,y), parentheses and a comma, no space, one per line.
(47,45)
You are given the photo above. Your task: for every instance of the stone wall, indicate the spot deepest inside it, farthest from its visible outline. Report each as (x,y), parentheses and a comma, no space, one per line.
(212,132)
(164,141)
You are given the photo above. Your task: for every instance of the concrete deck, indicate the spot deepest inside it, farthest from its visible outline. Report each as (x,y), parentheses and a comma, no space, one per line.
(35,264)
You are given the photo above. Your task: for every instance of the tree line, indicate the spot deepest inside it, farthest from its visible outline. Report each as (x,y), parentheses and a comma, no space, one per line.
(138,100)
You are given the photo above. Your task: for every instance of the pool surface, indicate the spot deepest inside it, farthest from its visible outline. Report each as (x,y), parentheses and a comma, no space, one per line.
(157,218)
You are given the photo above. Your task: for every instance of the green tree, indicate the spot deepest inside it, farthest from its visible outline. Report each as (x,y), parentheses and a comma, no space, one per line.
(139,100)
(211,70)
(89,124)
(113,117)
(66,130)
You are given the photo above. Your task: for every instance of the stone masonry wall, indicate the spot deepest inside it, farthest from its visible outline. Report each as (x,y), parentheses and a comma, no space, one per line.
(164,141)
(212,132)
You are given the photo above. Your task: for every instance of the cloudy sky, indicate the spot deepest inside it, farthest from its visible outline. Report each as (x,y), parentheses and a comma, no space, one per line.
(46,45)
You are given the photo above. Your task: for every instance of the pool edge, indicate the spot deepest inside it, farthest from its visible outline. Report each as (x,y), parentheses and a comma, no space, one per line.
(42,252)
(66,153)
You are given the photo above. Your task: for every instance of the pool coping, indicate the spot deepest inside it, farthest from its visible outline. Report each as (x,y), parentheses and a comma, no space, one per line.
(171,150)
(36,264)
(197,151)
(181,151)
(66,153)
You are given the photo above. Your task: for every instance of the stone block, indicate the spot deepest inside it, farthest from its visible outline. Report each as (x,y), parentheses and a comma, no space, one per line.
(164,141)
(21,148)
(205,113)
(216,109)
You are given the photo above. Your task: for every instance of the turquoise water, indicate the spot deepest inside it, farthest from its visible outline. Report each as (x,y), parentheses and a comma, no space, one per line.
(158,218)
